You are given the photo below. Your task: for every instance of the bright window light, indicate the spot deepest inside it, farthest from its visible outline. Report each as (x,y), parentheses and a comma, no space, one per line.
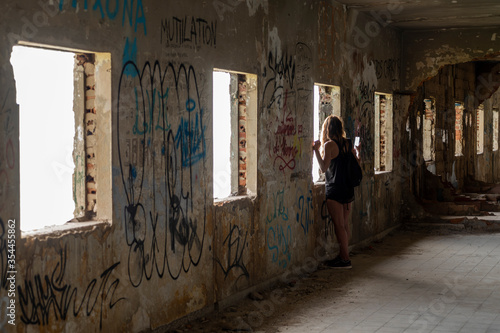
(317,133)
(221,134)
(44,85)
(459,116)
(495,130)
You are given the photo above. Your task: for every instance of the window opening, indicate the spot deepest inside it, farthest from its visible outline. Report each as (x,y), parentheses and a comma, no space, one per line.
(234,134)
(383,132)
(480,128)
(46,131)
(495,129)
(459,114)
(326,103)
(429,130)
(57,135)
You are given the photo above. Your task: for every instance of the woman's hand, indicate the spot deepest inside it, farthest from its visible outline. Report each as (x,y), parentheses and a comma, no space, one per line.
(316,145)
(356,151)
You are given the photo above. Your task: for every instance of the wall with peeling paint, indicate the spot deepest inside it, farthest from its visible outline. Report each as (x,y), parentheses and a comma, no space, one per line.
(167,251)
(425,52)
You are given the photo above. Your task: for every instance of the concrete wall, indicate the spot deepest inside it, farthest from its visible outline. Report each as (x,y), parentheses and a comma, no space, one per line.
(450,65)
(470,83)
(168,251)
(425,52)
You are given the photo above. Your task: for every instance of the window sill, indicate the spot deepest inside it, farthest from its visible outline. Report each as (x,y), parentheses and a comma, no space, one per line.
(222,201)
(67,228)
(382,172)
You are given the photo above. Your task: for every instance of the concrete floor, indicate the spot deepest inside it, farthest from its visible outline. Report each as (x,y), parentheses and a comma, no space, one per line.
(411,281)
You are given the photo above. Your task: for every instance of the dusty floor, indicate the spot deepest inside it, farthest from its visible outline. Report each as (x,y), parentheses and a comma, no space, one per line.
(411,281)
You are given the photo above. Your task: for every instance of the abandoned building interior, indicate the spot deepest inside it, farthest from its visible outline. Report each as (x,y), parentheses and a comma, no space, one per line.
(190,173)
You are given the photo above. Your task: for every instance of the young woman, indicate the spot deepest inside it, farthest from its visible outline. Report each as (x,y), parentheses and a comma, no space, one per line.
(338,195)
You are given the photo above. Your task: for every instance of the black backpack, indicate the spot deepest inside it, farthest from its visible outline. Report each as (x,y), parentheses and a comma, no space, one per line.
(350,167)
(354,172)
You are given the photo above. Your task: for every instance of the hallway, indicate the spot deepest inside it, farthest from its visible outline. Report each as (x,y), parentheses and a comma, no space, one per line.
(411,281)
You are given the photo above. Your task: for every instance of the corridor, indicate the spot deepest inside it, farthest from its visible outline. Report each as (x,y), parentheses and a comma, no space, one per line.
(411,281)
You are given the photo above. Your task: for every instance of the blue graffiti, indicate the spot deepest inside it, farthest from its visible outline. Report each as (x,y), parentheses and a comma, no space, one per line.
(279,239)
(134,18)
(130,54)
(279,208)
(156,100)
(305,214)
(190,138)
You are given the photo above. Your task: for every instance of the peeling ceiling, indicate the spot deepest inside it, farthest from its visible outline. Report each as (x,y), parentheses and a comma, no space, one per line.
(431,14)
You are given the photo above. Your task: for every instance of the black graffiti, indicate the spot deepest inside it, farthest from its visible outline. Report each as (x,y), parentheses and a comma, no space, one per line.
(282,66)
(366,91)
(50,294)
(193,31)
(325,216)
(281,70)
(386,69)
(235,244)
(160,227)
(6,112)
(3,256)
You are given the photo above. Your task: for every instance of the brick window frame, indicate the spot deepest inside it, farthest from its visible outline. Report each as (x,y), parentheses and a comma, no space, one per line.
(496,122)
(383,132)
(429,130)
(96,71)
(459,128)
(480,129)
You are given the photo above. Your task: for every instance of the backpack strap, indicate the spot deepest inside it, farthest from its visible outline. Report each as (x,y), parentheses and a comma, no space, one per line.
(341,148)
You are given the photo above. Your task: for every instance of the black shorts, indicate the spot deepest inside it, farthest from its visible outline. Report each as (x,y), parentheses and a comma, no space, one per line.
(341,194)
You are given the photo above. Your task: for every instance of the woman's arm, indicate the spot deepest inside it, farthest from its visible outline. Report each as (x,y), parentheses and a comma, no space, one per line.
(324,162)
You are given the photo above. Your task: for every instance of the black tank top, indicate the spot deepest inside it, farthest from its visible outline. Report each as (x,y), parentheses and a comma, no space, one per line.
(336,174)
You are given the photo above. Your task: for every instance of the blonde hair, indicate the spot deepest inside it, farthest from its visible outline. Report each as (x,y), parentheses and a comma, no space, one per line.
(333,129)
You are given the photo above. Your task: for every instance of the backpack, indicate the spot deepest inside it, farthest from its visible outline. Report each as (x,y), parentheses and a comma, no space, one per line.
(350,167)
(354,172)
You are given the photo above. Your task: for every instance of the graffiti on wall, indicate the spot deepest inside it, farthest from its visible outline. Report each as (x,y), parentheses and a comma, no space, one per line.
(157,154)
(7,153)
(50,296)
(279,231)
(188,31)
(326,217)
(235,244)
(305,214)
(386,69)
(132,11)
(286,92)
(3,255)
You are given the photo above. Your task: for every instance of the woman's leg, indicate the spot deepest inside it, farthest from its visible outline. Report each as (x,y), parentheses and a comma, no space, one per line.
(336,211)
(347,210)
